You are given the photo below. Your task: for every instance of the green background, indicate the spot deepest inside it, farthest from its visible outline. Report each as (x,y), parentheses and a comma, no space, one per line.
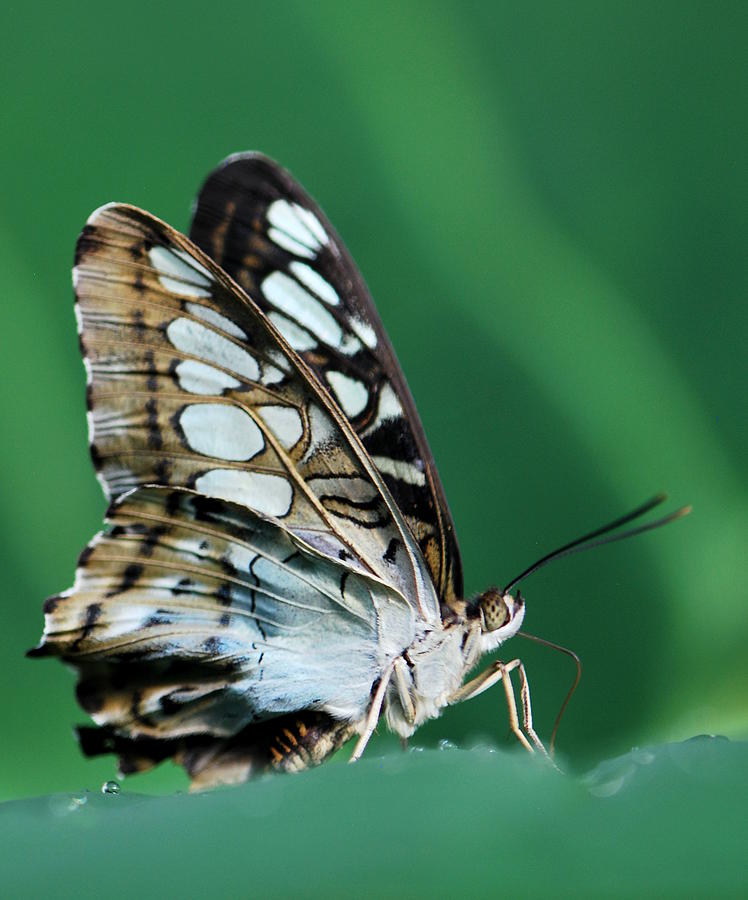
(549,202)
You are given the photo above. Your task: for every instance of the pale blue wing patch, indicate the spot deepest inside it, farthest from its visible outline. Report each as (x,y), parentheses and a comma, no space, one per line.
(221,617)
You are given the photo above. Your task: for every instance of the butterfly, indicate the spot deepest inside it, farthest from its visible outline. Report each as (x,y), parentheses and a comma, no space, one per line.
(279,568)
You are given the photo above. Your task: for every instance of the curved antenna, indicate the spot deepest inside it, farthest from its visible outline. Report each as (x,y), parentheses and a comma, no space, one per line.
(582,542)
(570,694)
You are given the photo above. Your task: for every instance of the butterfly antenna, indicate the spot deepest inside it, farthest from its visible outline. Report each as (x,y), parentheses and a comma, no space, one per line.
(570,694)
(583,543)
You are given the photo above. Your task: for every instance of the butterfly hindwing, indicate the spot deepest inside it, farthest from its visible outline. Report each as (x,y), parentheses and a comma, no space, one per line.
(258,224)
(193,615)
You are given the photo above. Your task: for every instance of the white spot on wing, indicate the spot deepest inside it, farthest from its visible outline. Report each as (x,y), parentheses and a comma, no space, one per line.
(297,337)
(128,618)
(280,359)
(351,393)
(267,494)
(388,407)
(208,314)
(389,404)
(295,227)
(79,326)
(197,340)
(91,423)
(321,427)
(288,296)
(200,378)
(403,471)
(315,282)
(221,430)
(271,375)
(179,272)
(312,223)
(364,331)
(193,264)
(284,422)
(282,214)
(288,243)
(350,345)
(175,286)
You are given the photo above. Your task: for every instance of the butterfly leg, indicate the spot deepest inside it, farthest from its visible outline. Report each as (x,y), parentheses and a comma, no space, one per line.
(372,716)
(404,684)
(527,709)
(500,671)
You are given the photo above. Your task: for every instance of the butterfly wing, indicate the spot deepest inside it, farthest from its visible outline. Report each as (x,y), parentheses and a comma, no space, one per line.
(258,224)
(257,568)
(194,615)
(190,385)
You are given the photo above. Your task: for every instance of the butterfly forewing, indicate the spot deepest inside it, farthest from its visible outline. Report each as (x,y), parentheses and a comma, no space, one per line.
(190,385)
(259,225)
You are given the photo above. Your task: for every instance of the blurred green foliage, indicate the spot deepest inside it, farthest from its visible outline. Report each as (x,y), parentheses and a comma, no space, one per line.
(549,203)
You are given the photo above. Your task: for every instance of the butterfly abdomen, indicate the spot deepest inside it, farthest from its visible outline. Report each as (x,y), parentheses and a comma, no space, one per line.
(287,744)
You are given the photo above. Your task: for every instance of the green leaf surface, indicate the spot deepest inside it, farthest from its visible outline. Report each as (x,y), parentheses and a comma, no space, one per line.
(662,821)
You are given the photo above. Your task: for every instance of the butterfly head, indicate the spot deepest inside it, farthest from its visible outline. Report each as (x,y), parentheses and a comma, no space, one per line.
(501,615)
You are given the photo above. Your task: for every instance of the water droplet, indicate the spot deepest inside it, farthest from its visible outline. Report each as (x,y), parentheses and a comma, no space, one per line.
(642,757)
(415,749)
(110,787)
(484,747)
(607,788)
(444,744)
(64,804)
(611,776)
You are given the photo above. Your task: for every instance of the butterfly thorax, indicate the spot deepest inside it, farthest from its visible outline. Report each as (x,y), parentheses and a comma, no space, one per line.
(440,658)
(435,666)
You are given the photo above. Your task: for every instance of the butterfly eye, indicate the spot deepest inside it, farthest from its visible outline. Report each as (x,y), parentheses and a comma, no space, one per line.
(494,609)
